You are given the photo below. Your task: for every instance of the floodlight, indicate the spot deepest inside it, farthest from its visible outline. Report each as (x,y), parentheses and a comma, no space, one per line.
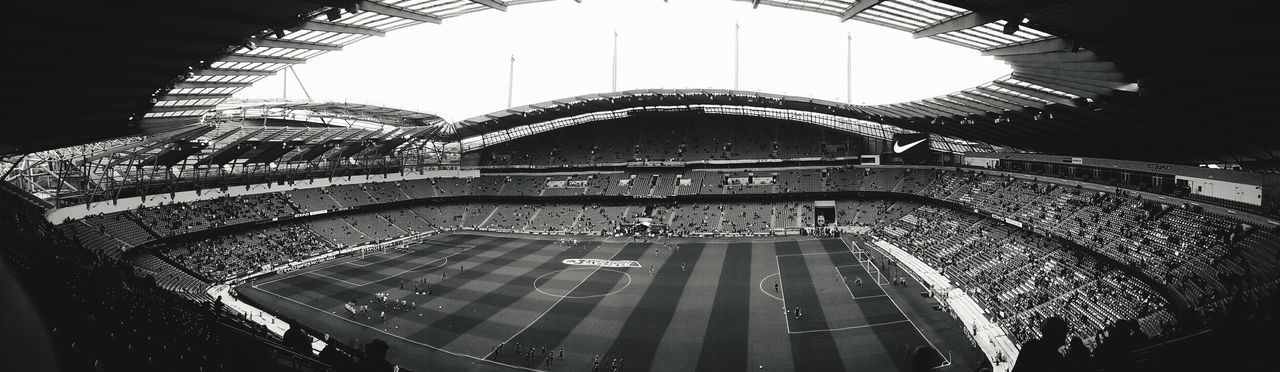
(333,14)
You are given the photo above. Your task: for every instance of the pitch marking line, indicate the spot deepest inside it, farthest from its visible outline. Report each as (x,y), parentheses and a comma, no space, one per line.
(849,328)
(446,262)
(553,305)
(786,316)
(445,259)
(340,280)
(762,280)
(375,329)
(318,266)
(846,285)
(460,246)
(624,287)
(415,268)
(812,254)
(946,362)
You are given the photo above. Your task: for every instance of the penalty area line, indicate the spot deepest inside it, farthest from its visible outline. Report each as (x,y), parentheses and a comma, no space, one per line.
(946,362)
(812,254)
(340,280)
(849,328)
(786,316)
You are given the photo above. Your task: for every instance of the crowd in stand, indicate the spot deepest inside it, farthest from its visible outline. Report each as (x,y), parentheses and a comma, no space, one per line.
(233,255)
(98,314)
(1213,263)
(712,139)
(1021,277)
(182,218)
(1216,255)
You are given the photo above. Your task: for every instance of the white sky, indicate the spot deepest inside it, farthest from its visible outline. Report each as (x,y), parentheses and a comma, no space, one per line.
(458,70)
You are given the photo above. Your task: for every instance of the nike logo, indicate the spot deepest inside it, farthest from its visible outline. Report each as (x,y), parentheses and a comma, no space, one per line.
(899,149)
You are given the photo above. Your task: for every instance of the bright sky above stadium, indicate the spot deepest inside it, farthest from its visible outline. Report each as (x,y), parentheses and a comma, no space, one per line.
(459,69)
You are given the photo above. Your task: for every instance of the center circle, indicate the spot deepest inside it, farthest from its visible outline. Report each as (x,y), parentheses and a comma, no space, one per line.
(561,283)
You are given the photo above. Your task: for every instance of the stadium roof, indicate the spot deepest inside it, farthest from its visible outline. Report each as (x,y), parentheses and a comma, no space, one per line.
(536,118)
(571,106)
(1138,79)
(340,114)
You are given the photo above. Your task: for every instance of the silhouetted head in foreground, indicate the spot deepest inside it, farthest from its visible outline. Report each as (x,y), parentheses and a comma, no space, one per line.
(1054,331)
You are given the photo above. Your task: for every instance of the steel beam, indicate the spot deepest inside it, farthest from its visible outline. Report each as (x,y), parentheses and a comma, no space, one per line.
(961,22)
(340,28)
(981,110)
(1108,79)
(208,84)
(1036,93)
(233,72)
(915,113)
(495,4)
(294,44)
(964,110)
(970,101)
(1056,44)
(875,110)
(933,112)
(1083,90)
(858,7)
(1053,57)
(897,112)
(399,12)
(1006,106)
(261,59)
(1012,98)
(180,108)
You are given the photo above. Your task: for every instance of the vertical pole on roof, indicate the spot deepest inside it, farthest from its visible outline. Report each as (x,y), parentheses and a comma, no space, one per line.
(284,84)
(511,78)
(614,87)
(735,55)
(848,82)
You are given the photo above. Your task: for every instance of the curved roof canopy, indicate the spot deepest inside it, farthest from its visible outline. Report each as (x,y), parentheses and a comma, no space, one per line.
(340,114)
(1140,79)
(527,120)
(572,106)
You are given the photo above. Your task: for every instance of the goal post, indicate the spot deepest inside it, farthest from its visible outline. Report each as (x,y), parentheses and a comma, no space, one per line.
(875,272)
(865,259)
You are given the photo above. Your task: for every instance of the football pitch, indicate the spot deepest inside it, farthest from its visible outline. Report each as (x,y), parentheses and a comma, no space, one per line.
(695,304)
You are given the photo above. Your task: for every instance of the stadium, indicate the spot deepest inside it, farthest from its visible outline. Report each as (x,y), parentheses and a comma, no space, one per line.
(1111,203)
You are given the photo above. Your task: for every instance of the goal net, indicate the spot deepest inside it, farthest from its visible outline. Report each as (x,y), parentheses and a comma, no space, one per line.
(867,260)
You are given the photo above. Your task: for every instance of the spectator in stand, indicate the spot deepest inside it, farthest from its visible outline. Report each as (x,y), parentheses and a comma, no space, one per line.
(1078,358)
(1042,354)
(296,339)
(1116,350)
(333,357)
(375,358)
